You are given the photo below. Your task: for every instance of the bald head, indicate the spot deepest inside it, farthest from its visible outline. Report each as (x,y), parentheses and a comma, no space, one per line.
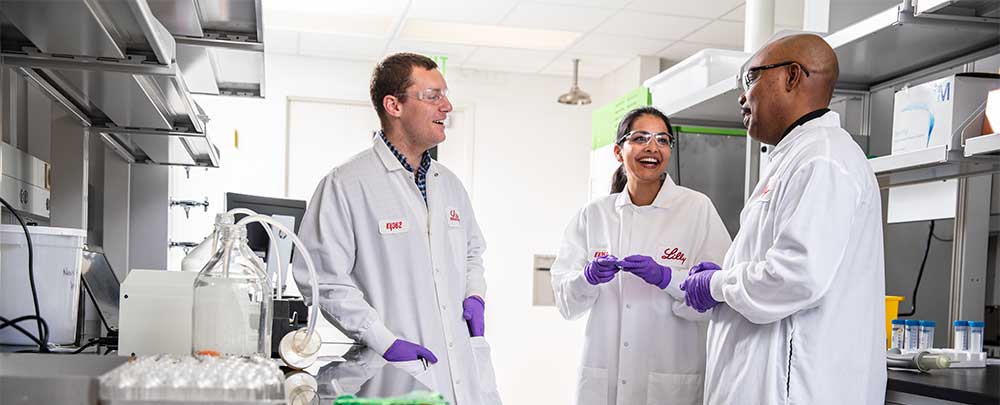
(792,76)
(816,57)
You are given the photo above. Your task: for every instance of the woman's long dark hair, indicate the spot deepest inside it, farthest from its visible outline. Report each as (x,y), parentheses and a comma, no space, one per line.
(619,179)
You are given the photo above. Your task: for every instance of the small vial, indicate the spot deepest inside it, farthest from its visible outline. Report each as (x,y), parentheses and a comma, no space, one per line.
(961,335)
(976,336)
(912,341)
(926,335)
(898,334)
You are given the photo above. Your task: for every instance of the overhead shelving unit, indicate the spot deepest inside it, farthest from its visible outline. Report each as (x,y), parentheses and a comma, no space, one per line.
(113,66)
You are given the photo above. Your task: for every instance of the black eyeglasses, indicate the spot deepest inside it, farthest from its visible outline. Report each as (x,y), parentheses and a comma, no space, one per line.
(751,75)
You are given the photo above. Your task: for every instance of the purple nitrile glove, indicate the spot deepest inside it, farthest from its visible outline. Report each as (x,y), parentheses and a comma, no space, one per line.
(647,269)
(472,311)
(697,286)
(601,270)
(402,350)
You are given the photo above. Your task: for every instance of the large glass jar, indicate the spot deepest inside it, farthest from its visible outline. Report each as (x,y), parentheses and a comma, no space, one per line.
(232,300)
(198,257)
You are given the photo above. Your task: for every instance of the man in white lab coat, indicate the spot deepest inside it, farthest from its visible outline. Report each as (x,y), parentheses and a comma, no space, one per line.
(397,247)
(799,300)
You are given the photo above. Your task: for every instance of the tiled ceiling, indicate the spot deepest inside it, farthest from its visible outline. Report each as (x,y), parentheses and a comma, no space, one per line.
(540,36)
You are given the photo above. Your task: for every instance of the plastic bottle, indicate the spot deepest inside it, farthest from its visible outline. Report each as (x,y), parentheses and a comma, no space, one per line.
(961,341)
(898,334)
(232,300)
(912,341)
(976,336)
(926,340)
(198,257)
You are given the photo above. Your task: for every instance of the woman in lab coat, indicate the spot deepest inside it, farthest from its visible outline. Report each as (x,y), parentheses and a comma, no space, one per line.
(622,258)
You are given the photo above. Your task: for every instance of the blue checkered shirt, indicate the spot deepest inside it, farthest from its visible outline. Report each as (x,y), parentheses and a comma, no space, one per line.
(425,165)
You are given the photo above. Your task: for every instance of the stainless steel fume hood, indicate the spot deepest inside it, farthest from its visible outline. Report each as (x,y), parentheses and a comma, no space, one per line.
(114,66)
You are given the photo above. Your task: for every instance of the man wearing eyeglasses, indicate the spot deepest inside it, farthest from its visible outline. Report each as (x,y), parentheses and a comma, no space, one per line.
(798,302)
(396,245)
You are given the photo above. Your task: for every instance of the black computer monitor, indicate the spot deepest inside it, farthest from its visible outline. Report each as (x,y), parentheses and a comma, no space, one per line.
(279,207)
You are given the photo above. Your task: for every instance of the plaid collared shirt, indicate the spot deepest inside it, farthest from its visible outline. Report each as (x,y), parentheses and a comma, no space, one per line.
(421,174)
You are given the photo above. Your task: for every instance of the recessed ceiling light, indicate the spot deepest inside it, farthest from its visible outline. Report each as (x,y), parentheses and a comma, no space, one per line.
(487,35)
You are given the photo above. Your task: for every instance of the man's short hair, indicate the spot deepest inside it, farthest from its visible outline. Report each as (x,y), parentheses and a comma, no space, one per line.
(392,76)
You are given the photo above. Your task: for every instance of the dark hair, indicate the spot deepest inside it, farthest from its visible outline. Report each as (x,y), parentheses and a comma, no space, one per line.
(619,179)
(392,76)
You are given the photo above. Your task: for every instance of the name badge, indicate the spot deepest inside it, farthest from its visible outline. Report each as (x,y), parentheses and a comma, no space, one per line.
(393,226)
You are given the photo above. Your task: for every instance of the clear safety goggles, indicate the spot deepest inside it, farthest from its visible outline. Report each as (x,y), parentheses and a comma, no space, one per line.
(642,138)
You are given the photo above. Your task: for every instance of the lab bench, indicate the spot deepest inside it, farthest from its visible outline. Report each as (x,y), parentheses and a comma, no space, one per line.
(953,386)
(32,378)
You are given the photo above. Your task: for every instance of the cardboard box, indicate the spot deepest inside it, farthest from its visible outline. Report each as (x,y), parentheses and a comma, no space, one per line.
(940,112)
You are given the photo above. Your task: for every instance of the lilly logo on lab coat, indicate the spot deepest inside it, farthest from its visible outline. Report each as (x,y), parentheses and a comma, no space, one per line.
(393,226)
(453,218)
(600,253)
(673,254)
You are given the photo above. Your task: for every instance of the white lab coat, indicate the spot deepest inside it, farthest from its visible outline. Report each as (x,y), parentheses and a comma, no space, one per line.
(391,267)
(643,344)
(804,281)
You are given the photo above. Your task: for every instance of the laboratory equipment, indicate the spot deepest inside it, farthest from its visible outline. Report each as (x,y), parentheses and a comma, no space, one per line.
(898,334)
(701,70)
(198,379)
(57,259)
(277,252)
(912,341)
(922,360)
(976,336)
(198,257)
(155,312)
(961,341)
(231,303)
(26,182)
(926,338)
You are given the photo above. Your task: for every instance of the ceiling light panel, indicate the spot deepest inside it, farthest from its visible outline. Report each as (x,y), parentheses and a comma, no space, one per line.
(327,23)
(463,11)
(486,35)
(617,45)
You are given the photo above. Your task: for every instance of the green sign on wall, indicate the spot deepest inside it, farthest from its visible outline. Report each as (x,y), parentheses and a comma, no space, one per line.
(604,122)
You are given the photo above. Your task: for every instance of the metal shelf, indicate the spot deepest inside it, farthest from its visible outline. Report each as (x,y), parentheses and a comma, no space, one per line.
(116,74)
(895,43)
(220,44)
(932,164)
(982,145)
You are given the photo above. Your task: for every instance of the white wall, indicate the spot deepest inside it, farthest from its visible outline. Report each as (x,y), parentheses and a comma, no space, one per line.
(530,177)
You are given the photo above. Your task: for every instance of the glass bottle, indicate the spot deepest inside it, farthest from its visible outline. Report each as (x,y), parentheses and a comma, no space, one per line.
(232,300)
(196,259)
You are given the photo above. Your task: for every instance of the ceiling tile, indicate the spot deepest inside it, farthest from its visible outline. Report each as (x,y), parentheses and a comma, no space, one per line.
(739,14)
(607,44)
(654,26)
(705,9)
(725,33)
(281,41)
(340,46)
(464,11)
(590,65)
(520,59)
(330,23)
(456,53)
(613,4)
(556,17)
